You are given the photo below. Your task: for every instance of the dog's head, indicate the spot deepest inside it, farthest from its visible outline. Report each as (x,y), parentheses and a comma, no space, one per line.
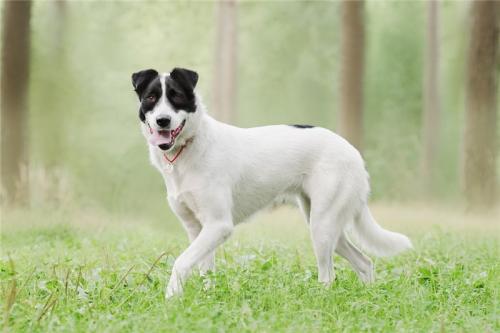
(167,103)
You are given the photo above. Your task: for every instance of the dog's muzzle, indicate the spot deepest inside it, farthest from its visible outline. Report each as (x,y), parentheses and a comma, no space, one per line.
(165,139)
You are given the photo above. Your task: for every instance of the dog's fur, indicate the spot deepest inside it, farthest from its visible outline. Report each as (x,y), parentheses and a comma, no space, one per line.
(224,174)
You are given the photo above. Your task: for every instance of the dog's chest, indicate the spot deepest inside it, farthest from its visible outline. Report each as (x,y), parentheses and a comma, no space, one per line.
(183,189)
(160,163)
(182,195)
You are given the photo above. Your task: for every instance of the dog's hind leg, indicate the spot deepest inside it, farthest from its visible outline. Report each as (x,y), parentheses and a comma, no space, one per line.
(322,241)
(361,263)
(323,247)
(326,229)
(331,209)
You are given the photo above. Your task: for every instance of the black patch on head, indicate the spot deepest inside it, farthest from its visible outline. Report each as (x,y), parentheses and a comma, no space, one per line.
(180,89)
(302,126)
(147,85)
(185,77)
(141,80)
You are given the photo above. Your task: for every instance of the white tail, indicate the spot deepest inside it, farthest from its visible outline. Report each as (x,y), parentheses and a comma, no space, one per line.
(377,240)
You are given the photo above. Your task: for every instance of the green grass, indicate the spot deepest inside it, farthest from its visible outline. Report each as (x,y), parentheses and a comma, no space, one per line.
(93,273)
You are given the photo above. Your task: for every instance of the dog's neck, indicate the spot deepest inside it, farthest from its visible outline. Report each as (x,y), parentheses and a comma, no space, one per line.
(190,146)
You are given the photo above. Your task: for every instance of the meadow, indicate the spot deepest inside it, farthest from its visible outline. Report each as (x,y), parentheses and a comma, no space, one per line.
(92,248)
(88,271)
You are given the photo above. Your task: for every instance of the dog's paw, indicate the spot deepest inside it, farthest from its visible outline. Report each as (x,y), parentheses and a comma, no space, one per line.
(208,282)
(171,292)
(367,275)
(174,288)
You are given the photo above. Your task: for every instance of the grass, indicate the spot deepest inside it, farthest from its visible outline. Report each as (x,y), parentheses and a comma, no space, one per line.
(84,272)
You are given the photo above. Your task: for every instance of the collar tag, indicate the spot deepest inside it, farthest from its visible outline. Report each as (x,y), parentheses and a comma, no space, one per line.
(168,167)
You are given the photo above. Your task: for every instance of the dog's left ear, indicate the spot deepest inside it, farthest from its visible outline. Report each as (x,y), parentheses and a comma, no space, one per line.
(185,77)
(141,79)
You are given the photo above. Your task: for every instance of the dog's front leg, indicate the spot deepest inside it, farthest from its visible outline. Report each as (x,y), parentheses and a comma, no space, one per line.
(207,264)
(212,235)
(193,229)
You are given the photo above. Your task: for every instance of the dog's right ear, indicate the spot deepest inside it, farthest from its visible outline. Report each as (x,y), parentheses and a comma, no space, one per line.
(141,79)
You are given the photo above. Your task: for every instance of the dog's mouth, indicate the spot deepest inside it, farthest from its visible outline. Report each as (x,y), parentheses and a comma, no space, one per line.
(165,139)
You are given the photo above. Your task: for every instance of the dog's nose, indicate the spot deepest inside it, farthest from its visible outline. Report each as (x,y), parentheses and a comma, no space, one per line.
(163,121)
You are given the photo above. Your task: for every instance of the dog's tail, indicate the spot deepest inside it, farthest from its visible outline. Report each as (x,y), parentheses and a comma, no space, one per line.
(377,240)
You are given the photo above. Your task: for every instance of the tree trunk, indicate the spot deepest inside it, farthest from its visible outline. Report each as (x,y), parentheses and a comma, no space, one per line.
(53,131)
(14,95)
(224,94)
(351,72)
(479,154)
(431,114)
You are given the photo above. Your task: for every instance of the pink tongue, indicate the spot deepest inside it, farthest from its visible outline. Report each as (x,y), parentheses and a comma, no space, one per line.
(158,138)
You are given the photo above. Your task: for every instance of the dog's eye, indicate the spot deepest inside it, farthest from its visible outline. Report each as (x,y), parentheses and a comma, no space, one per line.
(175,96)
(151,98)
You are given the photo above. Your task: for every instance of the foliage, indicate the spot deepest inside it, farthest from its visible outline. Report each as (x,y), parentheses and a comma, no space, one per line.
(83,117)
(96,248)
(93,273)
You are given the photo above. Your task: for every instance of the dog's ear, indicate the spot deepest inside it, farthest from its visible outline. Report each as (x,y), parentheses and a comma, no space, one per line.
(141,79)
(185,77)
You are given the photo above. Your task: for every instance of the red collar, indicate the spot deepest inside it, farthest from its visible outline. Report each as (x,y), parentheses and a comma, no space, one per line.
(171,161)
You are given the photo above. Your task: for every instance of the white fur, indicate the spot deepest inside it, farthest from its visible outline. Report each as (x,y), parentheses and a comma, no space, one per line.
(226,173)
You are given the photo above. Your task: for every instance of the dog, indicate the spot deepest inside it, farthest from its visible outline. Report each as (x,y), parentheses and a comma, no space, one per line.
(218,175)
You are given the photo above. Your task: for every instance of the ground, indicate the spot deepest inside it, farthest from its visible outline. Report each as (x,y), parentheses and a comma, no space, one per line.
(90,272)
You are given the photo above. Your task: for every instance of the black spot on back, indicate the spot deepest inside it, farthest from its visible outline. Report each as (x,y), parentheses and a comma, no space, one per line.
(302,126)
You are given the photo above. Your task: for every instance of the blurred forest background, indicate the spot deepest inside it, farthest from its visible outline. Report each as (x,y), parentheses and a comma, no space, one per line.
(413,84)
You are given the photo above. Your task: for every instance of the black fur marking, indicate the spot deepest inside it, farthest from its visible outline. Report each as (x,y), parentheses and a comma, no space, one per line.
(185,77)
(180,89)
(302,126)
(150,97)
(179,85)
(147,85)
(141,80)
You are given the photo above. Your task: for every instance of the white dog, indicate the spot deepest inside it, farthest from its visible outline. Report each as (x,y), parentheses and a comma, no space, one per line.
(217,175)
